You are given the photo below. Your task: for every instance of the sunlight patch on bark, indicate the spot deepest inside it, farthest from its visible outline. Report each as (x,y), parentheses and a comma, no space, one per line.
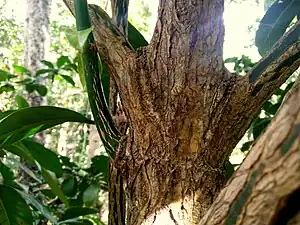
(176,213)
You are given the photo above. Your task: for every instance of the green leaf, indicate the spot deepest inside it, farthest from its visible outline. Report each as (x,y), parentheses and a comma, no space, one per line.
(48,63)
(25,81)
(43,71)
(3,75)
(6,88)
(82,37)
(270,108)
(7,174)
(13,208)
(69,186)
(28,121)
(246,146)
(229,169)
(72,38)
(76,202)
(2,153)
(21,102)
(135,38)
(275,22)
(41,89)
(6,113)
(90,195)
(20,150)
(75,212)
(39,206)
(67,163)
(259,125)
(48,193)
(68,79)
(231,60)
(54,186)
(21,69)
(44,156)
(62,60)
(81,71)
(100,166)
(105,79)
(76,222)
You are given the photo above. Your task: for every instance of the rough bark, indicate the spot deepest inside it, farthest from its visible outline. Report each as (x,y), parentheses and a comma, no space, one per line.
(266,188)
(186,112)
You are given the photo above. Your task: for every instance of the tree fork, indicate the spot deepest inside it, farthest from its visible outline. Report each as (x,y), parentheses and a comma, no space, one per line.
(186,112)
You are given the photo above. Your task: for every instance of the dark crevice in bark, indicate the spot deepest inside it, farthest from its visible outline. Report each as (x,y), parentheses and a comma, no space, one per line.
(172,217)
(117,199)
(288,209)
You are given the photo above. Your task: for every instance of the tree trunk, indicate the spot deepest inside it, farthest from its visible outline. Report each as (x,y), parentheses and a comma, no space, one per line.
(36,44)
(36,38)
(185,111)
(36,33)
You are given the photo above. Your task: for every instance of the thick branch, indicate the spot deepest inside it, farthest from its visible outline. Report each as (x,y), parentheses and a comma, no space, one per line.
(278,64)
(264,187)
(113,47)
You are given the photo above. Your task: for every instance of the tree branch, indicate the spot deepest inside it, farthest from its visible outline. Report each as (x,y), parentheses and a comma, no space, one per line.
(278,64)
(269,177)
(113,47)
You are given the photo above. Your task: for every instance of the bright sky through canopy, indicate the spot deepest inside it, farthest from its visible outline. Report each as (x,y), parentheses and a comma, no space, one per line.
(239,16)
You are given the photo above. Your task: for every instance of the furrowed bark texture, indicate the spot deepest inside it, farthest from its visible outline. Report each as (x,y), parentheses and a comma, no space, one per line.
(266,188)
(186,112)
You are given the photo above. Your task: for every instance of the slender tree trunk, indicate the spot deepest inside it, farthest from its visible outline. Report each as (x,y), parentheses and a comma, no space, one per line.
(185,111)
(36,43)
(35,46)
(36,33)
(36,38)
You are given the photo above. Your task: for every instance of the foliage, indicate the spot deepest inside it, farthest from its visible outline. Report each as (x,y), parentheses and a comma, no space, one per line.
(275,22)
(70,185)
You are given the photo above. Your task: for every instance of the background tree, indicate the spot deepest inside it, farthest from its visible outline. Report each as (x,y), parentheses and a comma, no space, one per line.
(36,38)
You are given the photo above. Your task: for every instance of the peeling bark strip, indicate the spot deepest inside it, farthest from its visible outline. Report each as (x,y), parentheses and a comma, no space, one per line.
(186,113)
(275,161)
